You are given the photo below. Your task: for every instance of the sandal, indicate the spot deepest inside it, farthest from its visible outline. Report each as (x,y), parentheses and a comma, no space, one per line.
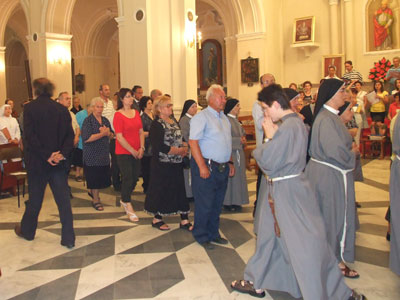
(347,272)
(244,286)
(131,215)
(159,224)
(97,206)
(188,226)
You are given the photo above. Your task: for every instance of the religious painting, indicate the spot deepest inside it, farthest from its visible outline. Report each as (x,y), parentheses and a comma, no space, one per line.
(303,30)
(249,70)
(80,83)
(333,60)
(382,25)
(210,64)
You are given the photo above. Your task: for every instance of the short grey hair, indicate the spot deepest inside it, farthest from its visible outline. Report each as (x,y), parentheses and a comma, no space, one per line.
(95,100)
(396,57)
(211,90)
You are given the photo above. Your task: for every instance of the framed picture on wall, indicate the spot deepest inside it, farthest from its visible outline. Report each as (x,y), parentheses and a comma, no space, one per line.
(333,60)
(210,63)
(303,30)
(249,70)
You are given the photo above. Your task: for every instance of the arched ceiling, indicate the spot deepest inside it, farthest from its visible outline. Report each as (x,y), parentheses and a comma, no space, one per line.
(17,28)
(13,13)
(93,26)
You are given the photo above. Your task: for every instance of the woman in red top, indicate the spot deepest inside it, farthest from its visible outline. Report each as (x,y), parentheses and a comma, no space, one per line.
(395,106)
(129,147)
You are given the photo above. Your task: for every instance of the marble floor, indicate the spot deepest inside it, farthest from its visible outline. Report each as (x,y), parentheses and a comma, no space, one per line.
(117,259)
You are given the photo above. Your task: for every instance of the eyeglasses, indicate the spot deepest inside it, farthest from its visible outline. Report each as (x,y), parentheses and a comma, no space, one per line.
(169,105)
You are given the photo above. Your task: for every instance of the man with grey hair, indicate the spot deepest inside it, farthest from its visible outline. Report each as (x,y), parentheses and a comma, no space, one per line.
(154,94)
(394,73)
(211,145)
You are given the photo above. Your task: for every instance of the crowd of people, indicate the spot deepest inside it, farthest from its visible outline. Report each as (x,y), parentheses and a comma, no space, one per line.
(307,152)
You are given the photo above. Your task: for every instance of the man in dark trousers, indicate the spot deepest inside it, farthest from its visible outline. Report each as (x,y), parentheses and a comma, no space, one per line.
(48,141)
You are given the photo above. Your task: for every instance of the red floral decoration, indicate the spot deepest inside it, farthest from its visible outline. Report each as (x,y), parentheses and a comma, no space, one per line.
(378,72)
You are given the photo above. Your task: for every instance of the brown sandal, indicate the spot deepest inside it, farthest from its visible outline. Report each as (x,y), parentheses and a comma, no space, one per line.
(244,286)
(346,271)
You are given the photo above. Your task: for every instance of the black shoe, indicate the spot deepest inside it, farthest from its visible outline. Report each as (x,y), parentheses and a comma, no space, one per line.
(68,245)
(228,208)
(207,245)
(220,240)
(358,205)
(357,296)
(18,232)
(388,237)
(70,195)
(236,208)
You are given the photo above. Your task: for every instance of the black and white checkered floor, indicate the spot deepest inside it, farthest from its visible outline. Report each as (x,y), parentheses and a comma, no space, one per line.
(117,259)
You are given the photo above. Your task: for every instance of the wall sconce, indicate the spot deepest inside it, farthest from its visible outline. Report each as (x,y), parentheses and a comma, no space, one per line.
(59,55)
(190,30)
(2,66)
(199,39)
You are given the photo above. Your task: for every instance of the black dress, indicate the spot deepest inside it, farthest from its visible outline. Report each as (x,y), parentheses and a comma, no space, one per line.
(166,193)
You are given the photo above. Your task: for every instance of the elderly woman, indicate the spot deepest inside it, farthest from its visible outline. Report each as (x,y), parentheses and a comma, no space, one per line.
(237,193)
(146,105)
(96,131)
(166,194)
(188,111)
(9,128)
(129,147)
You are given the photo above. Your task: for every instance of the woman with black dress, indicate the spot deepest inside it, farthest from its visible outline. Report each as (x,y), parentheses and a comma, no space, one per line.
(96,131)
(166,194)
(146,106)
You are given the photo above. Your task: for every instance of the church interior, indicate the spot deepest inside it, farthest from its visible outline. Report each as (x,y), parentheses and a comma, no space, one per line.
(180,47)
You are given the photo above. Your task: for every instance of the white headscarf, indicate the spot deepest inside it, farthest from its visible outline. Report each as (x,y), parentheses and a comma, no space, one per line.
(2,109)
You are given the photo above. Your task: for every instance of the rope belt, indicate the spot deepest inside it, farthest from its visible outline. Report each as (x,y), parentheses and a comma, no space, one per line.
(271,201)
(344,174)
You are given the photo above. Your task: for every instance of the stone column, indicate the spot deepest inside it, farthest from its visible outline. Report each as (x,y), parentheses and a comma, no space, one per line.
(50,57)
(153,50)
(3,90)
(334,28)
(349,30)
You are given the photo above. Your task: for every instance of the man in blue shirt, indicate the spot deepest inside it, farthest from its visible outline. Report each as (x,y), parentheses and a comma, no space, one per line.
(394,73)
(211,145)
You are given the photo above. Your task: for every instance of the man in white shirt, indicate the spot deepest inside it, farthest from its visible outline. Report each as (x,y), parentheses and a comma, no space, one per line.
(331,72)
(65,100)
(258,117)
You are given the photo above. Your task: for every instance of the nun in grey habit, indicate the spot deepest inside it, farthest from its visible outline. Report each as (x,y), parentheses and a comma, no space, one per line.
(395,201)
(330,172)
(237,193)
(188,111)
(292,253)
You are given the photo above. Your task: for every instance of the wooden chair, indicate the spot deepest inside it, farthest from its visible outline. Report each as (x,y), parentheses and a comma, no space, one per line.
(13,173)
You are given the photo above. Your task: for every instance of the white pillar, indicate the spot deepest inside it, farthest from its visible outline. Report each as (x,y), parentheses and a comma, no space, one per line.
(153,51)
(349,30)
(50,57)
(3,87)
(334,26)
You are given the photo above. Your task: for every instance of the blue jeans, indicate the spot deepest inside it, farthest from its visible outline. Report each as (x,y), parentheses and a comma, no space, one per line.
(208,196)
(37,181)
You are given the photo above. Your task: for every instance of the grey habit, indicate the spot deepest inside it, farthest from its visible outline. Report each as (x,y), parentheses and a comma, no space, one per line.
(237,192)
(300,262)
(332,143)
(184,123)
(395,201)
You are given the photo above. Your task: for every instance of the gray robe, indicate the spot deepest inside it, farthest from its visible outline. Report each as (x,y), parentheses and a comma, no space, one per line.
(300,262)
(395,202)
(237,192)
(331,143)
(184,123)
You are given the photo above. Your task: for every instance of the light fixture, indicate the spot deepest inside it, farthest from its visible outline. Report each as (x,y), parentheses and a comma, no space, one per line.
(59,55)
(199,39)
(190,30)
(2,66)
